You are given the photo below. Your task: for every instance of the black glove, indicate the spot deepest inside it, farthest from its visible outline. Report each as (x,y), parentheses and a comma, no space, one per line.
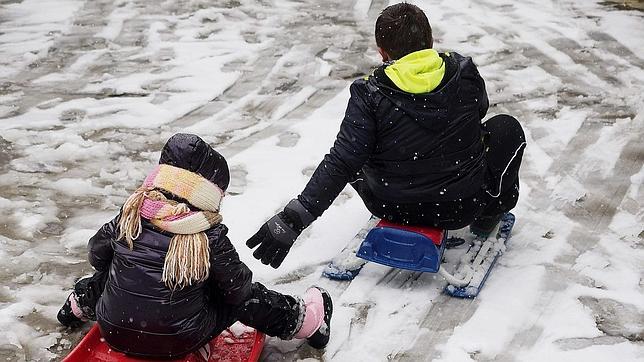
(278,234)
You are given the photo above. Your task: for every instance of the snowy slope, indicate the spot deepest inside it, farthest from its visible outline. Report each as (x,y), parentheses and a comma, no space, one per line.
(91,90)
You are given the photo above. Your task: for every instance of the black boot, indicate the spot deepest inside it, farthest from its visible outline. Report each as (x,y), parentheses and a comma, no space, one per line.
(484,225)
(67,317)
(320,338)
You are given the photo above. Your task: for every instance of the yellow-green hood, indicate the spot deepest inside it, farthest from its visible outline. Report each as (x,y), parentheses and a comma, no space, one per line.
(417,72)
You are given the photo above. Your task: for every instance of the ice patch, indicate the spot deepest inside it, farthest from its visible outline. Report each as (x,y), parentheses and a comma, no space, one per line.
(604,153)
(295,101)
(566,188)
(29,28)
(122,12)
(361,9)
(77,187)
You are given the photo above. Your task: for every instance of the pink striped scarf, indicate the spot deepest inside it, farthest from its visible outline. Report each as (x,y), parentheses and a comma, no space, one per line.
(176,217)
(188,257)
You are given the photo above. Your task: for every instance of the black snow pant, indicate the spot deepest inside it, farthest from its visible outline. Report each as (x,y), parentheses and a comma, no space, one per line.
(270,312)
(504,142)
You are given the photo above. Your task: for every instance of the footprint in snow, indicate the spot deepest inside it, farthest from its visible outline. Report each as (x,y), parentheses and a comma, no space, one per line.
(288,139)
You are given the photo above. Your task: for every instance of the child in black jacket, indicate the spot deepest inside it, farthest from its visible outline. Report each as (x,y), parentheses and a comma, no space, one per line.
(412,144)
(167,277)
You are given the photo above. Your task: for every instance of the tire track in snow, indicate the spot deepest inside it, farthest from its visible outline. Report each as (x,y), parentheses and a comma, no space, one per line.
(349,64)
(322,50)
(66,48)
(610,44)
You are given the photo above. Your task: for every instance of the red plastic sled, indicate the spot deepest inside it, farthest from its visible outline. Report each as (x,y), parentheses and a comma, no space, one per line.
(227,347)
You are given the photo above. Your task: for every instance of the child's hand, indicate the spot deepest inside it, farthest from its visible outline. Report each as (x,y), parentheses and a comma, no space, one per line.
(278,234)
(274,238)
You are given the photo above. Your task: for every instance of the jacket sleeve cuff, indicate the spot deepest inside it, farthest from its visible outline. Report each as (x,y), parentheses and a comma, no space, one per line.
(305,216)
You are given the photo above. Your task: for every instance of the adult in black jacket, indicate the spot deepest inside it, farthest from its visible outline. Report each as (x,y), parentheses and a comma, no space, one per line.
(140,314)
(412,144)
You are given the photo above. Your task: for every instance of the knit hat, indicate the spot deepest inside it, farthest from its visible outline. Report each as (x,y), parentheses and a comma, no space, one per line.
(190,152)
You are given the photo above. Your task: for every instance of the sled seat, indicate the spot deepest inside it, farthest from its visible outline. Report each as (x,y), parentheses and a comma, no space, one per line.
(224,348)
(418,248)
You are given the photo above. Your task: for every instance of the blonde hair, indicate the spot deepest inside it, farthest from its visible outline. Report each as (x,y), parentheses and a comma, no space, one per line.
(187,260)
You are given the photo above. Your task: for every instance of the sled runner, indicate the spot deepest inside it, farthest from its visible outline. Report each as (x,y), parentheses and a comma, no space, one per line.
(228,346)
(421,249)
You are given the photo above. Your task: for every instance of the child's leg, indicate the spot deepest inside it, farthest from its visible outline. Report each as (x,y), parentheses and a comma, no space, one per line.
(287,317)
(270,312)
(80,306)
(505,144)
(504,151)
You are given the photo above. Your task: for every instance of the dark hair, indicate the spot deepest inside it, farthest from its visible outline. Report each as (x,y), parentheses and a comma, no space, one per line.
(402,29)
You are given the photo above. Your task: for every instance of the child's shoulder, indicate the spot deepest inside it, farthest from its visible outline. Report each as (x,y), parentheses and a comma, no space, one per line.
(458,58)
(217,232)
(362,86)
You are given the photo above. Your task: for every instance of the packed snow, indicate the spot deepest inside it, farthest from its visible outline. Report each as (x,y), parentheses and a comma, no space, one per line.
(90,91)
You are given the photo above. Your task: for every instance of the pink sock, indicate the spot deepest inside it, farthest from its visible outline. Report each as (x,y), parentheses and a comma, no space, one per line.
(75,308)
(313,315)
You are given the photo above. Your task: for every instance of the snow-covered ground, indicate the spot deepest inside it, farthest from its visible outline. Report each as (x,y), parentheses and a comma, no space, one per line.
(90,90)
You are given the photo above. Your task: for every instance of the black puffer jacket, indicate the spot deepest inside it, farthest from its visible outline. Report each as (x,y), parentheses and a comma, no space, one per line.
(410,147)
(137,313)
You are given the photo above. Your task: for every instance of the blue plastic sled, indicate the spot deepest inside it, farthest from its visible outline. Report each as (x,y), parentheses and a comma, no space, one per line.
(404,247)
